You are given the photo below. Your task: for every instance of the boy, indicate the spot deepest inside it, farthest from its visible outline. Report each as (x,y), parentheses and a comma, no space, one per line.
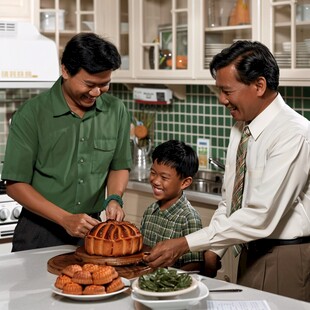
(171,216)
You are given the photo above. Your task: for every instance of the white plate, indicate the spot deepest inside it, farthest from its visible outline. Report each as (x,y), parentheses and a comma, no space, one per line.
(177,302)
(92,297)
(135,287)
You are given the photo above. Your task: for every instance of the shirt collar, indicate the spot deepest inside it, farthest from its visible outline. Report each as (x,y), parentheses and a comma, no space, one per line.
(60,106)
(261,121)
(169,213)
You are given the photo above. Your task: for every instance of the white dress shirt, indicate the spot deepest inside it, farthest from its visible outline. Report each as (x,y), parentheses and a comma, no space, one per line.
(276,197)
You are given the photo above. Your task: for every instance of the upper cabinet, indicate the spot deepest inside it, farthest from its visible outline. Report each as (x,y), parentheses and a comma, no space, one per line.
(115,23)
(17,10)
(286,30)
(220,23)
(163,34)
(173,41)
(60,20)
(153,37)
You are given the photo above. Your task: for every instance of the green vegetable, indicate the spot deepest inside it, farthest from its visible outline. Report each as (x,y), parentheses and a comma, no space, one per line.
(164,280)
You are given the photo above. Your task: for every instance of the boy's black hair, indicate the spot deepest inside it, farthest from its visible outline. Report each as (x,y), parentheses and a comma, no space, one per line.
(176,154)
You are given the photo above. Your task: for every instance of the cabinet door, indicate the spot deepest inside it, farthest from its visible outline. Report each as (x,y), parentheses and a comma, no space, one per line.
(61,20)
(163,35)
(286,31)
(220,23)
(16,10)
(114,22)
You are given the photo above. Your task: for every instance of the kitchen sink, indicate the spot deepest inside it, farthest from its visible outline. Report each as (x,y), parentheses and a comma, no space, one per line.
(204,182)
(207,182)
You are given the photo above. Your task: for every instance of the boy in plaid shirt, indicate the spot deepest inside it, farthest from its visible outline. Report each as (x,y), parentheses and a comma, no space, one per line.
(172,215)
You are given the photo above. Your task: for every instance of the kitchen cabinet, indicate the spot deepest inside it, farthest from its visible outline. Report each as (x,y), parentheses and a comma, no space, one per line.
(114,22)
(60,20)
(163,35)
(172,41)
(286,31)
(220,23)
(136,201)
(199,29)
(17,10)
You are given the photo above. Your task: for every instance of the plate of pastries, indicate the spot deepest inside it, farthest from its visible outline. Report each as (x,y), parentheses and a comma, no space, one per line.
(89,282)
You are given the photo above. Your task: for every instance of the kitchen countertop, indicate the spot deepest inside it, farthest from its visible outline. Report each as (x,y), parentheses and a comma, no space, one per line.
(211,199)
(26,284)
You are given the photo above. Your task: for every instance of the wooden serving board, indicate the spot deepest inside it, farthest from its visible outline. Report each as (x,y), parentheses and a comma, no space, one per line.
(108,260)
(57,263)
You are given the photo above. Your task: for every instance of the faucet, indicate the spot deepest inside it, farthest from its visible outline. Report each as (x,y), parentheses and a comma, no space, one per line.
(216,163)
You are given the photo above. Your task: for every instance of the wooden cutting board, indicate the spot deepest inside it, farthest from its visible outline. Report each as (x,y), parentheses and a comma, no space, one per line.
(108,260)
(57,263)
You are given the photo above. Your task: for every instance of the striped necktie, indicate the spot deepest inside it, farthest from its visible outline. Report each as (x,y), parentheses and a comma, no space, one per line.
(240,170)
(239,179)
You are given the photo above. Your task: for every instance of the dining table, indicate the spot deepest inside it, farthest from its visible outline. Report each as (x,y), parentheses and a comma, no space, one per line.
(26,283)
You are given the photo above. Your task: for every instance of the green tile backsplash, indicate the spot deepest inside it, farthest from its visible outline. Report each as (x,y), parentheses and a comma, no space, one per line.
(201,116)
(198,116)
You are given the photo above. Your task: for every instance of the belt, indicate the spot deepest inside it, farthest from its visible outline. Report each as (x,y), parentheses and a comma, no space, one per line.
(269,243)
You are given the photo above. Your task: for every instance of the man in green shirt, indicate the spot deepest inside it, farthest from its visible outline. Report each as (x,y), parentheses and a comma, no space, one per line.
(66,147)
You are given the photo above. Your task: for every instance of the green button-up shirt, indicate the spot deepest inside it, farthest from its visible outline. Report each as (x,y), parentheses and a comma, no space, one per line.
(64,157)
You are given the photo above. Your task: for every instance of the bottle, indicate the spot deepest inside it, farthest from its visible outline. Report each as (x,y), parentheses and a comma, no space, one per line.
(240,14)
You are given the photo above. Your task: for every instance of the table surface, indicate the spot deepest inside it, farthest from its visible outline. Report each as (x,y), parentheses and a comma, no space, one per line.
(26,284)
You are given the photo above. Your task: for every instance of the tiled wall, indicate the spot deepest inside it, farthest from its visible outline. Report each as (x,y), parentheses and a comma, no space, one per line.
(198,116)
(201,116)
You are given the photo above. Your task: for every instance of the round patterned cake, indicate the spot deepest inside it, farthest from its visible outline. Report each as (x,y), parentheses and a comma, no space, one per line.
(113,238)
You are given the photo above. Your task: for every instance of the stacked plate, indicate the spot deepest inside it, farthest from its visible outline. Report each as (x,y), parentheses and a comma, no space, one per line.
(212,49)
(302,55)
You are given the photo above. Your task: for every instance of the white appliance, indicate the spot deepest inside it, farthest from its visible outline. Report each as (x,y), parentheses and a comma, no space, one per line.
(9,214)
(27,58)
(152,95)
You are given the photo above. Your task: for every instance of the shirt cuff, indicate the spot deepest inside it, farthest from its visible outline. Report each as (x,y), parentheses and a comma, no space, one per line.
(198,240)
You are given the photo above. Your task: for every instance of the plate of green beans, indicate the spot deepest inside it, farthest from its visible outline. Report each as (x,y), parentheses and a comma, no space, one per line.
(164,282)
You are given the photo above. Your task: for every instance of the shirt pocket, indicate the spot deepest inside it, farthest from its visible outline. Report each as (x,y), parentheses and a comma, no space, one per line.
(102,155)
(254,180)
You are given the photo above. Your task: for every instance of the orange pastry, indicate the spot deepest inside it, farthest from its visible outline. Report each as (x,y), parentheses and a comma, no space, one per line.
(113,238)
(73,288)
(71,269)
(90,267)
(116,285)
(82,277)
(62,280)
(94,290)
(104,274)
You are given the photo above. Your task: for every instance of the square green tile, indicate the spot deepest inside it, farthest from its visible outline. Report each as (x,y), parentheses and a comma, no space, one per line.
(306,92)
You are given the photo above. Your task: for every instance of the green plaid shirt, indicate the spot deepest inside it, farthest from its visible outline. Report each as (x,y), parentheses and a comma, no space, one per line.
(177,221)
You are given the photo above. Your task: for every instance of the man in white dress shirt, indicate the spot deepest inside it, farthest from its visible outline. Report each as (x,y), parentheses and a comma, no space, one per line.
(273,223)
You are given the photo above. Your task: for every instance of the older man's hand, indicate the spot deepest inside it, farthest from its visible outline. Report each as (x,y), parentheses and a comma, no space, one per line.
(165,253)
